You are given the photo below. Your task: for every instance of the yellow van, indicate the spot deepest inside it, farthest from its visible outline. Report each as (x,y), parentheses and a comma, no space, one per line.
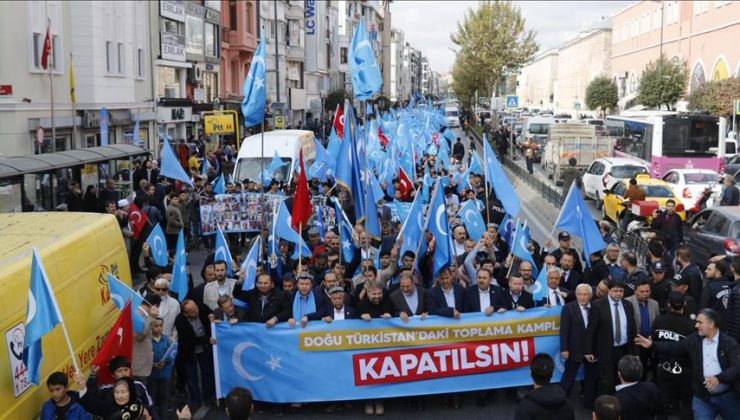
(77,250)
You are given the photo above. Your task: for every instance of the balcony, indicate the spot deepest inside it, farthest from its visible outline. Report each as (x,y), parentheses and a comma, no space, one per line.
(240,41)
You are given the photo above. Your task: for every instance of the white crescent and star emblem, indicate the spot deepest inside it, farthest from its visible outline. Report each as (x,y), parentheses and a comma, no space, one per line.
(438,220)
(118,299)
(237,363)
(159,249)
(536,287)
(31,311)
(138,217)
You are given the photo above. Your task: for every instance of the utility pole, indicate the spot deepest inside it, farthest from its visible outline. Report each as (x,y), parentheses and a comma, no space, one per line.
(277,56)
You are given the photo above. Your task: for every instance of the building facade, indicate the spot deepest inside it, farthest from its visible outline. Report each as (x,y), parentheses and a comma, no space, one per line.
(238,43)
(701,34)
(398,80)
(537,82)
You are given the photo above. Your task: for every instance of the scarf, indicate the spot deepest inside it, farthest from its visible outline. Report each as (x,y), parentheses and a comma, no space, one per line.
(310,306)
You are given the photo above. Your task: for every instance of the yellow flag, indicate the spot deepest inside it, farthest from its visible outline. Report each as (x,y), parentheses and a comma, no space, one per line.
(72,96)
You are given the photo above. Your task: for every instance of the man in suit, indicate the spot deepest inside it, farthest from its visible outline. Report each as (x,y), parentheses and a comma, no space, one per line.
(446,297)
(482,296)
(570,278)
(515,297)
(265,303)
(645,310)
(573,324)
(194,351)
(409,300)
(227,312)
(715,358)
(336,311)
(639,400)
(610,333)
(556,295)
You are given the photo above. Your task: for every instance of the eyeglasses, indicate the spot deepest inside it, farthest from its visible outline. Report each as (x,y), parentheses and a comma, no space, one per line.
(160,289)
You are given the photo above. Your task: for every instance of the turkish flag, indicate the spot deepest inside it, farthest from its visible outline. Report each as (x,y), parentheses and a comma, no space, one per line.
(137,219)
(406,185)
(120,342)
(302,207)
(383,139)
(339,122)
(46,52)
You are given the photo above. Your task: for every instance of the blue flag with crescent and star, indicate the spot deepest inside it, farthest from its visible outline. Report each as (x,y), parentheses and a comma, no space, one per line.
(366,77)
(120,293)
(472,219)
(255,89)
(438,226)
(222,251)
(179,282)
(250,265)
(158,246)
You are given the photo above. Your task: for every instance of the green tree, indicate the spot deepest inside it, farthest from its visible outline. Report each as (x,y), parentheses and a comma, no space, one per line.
(716,97)
(490,42)
(336,97)
(382,102)
(662,83)
(601,94)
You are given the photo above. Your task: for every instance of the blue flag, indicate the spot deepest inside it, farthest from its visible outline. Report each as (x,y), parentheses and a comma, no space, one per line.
(179,283)
(42,315)
(319,222)
(438,226)
(222,251)
(497,178)
(204,167)
(255,89)
(413,227)
(158,246)
(576,219)
(170,165)
(334,144)
(519,247)
(219,185)
(250,265)
(472,219)
(506,229)
(284,230)
(323,164)
(539,288)
(137,135)
(366,77)
(104,122)
(275,164)
(475,166)
(345,233)
(120,293)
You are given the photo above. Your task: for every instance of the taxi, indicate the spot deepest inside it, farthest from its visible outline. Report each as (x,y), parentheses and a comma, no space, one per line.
(656,190)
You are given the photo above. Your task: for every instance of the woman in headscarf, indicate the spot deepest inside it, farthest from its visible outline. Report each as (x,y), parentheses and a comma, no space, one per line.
(123,406)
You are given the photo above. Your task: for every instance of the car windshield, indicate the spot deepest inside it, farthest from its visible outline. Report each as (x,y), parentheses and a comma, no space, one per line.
(735,230)
(657,191)
(539,128)
(701,178)
(450,113)
(627,171)
(249,168)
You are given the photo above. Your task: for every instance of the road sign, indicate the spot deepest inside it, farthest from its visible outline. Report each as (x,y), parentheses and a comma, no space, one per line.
(279,121)
(218,124)
(512,101)
(737,106)
(578,106)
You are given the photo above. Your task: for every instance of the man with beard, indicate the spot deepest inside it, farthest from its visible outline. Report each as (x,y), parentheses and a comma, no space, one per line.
(265,303)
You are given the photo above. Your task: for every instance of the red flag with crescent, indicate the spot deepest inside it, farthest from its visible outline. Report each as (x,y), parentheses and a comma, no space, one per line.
(339,122)
(46,51)
(406,185)
(137,219)
(120,342)
(383,139)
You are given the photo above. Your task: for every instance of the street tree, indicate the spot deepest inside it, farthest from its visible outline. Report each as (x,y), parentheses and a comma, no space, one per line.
(662,83)
(335,97)
(490,42)
(601,94)
(716,97)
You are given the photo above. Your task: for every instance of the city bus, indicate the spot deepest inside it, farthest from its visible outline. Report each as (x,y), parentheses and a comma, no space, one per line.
(666,140)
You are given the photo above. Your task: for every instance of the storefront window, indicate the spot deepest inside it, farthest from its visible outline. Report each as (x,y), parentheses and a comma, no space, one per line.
(211,40)
(193,35)
(167,84)
(46,146)
(210,84)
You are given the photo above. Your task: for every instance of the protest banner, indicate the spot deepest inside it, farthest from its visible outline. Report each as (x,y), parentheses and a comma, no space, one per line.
(384,358)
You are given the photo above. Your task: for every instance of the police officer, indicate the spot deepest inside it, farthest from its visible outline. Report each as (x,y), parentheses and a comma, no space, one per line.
(659,285)
(716,292)
(680,284)
(673,375)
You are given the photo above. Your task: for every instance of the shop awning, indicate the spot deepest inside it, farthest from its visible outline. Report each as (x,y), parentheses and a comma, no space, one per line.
(13,166)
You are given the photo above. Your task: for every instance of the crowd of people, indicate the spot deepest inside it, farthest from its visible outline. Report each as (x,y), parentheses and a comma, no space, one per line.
(651,340)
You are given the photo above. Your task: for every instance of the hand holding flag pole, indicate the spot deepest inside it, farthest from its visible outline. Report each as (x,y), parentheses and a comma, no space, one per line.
(511,265)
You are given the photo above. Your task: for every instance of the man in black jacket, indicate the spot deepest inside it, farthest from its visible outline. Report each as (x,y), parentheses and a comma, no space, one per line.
(669,224)
(689,271)
(573,324)
(598,270)
(610,334)
(715,357)
(639,400)
(515,297)
(194,351)
(265,303)
(546,401)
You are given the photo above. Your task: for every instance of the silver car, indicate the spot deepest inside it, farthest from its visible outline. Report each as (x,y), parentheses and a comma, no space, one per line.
(714,231)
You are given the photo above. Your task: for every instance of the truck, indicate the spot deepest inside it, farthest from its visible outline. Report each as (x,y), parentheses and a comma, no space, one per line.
(78,250)
(573,140)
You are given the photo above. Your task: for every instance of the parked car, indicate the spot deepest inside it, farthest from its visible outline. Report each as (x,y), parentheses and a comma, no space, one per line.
(714,231)
(605,172)
(689,184)
(732,165)
(655,190)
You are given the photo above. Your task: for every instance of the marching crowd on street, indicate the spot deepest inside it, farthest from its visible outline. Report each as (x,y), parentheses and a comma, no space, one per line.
(652,341)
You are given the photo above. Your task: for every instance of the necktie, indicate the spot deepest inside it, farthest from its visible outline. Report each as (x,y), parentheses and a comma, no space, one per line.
(618,324)
(585,310)
(562,279)
(555,297)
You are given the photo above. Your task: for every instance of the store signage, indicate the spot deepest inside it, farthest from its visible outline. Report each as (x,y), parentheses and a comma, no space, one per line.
(174,10)
(6,90)
(173,46)
(310,17)
(174,114)
(92,118)
(218,124)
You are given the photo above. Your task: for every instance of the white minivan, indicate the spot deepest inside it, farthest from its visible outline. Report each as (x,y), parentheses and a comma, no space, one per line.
(287,144)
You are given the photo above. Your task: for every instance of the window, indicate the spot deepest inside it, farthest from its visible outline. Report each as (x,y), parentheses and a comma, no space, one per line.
(109,56)
(194,35)
(140,72)
(211,40)
(56,52)
(293,34)
(37,45)
(232,14)
(172,27)
(716,224)
(700,6)
(343,55)
(248,18)
(121,58)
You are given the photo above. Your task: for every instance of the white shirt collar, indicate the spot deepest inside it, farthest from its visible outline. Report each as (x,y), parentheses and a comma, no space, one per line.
(622,386)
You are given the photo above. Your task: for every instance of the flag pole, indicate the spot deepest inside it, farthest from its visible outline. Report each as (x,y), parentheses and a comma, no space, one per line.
(74,101)
(424,229)
(367,177)
(485,184)
(51,89)
(511,252)
(300,246)
(262,171)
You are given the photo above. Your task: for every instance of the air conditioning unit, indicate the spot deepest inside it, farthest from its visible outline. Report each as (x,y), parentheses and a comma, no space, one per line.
(195,74)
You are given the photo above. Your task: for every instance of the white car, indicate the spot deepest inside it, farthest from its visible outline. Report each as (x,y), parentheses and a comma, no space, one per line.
(452,117)
(605,172)
(688,184)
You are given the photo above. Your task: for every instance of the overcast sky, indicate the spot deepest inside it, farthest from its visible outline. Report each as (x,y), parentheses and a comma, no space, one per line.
(427,25)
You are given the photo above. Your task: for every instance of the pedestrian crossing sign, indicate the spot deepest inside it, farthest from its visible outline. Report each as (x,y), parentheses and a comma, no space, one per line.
(512,101)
